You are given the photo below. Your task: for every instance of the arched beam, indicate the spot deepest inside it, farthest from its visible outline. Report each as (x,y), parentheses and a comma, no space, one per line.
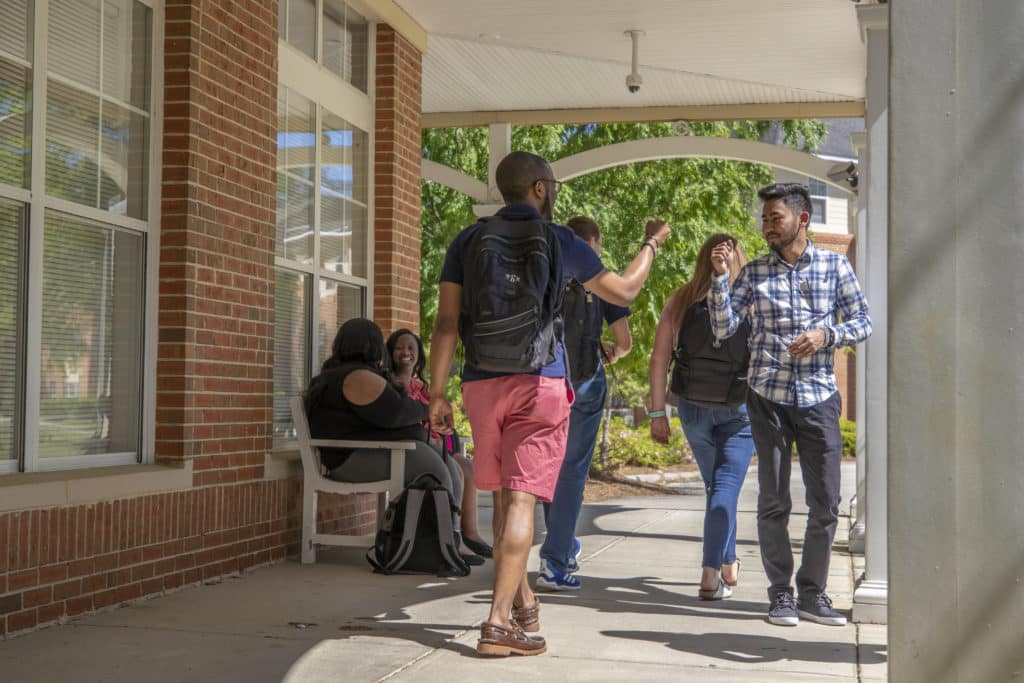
(449,177)
(683,146)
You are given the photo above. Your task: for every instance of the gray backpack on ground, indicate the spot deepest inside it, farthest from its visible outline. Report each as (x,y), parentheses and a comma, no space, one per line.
(418,534)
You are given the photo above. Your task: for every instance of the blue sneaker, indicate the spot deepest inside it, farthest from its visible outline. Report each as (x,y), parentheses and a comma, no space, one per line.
(553,579)
(574,561)
(819,608)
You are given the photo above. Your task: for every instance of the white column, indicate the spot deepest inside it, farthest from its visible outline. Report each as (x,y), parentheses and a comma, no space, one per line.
(871,595)
(858,222)
(956,342)
(499,144)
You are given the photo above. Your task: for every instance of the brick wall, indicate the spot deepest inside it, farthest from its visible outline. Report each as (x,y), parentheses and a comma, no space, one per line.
(846,360)
(215,337)
(62,562)
(397,177)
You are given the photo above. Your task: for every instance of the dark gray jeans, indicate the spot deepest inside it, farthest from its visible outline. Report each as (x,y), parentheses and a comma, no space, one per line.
(815,430)
(373,465)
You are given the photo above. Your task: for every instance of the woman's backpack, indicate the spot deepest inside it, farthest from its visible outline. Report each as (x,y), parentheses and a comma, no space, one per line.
(707,371)
(418,532)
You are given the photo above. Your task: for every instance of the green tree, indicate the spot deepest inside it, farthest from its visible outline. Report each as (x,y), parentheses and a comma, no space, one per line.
(697,196)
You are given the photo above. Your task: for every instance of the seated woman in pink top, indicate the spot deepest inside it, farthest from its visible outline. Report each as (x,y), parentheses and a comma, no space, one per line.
(405,351)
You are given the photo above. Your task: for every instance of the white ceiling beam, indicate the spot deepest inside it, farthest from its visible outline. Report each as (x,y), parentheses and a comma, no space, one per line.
(388,12)
(724,112)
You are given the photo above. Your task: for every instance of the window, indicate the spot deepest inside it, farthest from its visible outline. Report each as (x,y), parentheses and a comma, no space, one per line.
(340,40)
(72,323)
(12,251)
(819,200)
(323,251)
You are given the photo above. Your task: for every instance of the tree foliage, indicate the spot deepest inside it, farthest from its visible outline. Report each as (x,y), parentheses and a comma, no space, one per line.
(696,196)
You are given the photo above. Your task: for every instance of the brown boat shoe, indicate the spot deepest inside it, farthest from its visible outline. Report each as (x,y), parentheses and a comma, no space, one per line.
(527,617)
(498,641)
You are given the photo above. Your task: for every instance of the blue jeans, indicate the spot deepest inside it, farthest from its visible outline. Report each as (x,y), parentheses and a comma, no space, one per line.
(561,513)
(723,446)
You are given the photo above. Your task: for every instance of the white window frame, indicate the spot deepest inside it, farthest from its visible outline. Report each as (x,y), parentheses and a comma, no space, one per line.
(39,204)
(326,89)
(823,219)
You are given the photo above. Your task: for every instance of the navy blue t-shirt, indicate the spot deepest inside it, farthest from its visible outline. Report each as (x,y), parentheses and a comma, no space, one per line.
(578,261)
(610,313)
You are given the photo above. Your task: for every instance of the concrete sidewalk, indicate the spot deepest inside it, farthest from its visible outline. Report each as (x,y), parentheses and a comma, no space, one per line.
(637,618)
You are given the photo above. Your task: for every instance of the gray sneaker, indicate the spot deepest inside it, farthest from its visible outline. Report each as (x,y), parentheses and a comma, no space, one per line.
(818,608)
(782,611)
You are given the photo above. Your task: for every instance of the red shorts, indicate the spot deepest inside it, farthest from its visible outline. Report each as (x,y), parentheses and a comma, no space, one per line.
(520,425)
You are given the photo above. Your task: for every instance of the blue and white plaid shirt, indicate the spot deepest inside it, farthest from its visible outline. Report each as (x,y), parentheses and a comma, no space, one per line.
(788,300)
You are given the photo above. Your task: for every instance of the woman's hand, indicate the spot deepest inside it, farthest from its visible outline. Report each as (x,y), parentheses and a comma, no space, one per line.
(660,429)
(440,415)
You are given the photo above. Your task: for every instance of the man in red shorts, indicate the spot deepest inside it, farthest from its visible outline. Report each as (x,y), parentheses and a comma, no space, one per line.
(519,419)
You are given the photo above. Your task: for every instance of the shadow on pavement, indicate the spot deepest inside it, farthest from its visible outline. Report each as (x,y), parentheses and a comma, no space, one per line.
(754,649)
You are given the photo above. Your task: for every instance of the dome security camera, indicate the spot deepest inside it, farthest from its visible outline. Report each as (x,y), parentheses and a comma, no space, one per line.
(634,80)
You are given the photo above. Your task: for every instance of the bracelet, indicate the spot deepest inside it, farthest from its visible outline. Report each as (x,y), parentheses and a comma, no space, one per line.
(654,251)
(655,413)
(652,238)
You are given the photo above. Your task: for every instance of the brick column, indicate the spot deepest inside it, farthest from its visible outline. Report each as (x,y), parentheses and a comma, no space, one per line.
(397,182)
(217,237)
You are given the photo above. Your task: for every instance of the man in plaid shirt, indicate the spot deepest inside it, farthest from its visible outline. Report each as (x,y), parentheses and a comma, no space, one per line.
(804,303)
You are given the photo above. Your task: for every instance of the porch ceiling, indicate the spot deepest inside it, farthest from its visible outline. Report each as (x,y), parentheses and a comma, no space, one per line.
(711,56)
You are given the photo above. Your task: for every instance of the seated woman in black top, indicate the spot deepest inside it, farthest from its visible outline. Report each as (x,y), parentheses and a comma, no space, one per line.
(354,398)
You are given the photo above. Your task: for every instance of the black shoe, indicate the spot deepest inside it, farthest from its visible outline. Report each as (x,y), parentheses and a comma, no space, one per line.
(479,547)
(782,611)
(818,608)
(472,560)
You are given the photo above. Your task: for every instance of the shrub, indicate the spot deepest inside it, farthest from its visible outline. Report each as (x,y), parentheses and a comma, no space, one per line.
(633,446)
(848,429)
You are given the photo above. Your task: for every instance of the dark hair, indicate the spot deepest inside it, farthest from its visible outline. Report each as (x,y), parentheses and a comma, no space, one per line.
(585,228)
(358,340)
(517,172)
(793,195)
(417,369)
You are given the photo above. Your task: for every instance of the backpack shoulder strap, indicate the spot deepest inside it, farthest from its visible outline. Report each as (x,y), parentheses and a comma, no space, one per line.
(413,504)
(443,507)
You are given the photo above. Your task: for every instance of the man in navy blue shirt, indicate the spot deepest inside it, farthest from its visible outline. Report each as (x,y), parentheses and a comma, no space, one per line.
(561,548)
(520,420)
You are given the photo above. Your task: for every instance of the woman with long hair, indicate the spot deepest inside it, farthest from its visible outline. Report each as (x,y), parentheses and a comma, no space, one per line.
(709,378)
(355,397)
(407,358)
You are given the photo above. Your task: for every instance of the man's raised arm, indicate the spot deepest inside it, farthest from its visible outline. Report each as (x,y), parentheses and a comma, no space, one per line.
(622,289)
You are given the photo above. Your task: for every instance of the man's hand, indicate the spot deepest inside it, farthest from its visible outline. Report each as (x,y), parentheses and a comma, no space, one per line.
(807,343)
(660,429)
(440,412)
(721,257)
(608,352)
(658,229)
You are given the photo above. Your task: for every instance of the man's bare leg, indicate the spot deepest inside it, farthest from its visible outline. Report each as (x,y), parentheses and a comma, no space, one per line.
(513,536)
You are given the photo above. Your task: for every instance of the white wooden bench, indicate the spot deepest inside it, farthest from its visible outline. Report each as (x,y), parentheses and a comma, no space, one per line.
(315,481)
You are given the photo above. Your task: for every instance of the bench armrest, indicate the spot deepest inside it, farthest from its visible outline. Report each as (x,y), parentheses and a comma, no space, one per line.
(384,445)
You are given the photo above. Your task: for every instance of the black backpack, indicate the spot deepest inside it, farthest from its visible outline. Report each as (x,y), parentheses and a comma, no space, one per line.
(511,296)
(418,533)
(709,372)
(581,313)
